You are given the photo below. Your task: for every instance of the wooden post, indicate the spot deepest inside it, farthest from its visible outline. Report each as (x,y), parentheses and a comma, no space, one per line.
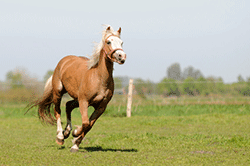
(130,92)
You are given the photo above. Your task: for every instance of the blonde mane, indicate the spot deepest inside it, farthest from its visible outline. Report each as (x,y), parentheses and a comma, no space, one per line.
(94,58)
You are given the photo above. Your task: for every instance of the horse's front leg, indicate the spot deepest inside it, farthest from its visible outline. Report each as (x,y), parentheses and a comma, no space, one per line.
(79,132)
(95,115)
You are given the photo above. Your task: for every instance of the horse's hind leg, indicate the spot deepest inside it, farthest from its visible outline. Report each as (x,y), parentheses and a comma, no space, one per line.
(57,97)
(59,136)
(70,105)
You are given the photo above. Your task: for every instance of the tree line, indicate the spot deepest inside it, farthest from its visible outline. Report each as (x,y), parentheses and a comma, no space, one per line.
(191,82)
(20,86)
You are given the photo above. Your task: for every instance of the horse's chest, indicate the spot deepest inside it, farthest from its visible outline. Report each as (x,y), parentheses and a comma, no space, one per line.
(104,95)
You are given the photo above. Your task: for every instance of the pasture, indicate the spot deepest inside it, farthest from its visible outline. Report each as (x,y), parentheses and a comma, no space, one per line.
(192,134)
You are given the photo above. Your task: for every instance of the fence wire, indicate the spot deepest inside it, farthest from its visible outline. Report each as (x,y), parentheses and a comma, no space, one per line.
(145,92)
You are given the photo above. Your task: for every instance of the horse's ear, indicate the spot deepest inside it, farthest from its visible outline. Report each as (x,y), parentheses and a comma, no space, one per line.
(119,30)
(108,29)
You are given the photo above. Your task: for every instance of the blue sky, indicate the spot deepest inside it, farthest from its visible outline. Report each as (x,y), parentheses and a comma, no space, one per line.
(210,35)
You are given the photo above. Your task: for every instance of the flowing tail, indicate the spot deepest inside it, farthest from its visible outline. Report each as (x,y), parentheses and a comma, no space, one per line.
(44,104)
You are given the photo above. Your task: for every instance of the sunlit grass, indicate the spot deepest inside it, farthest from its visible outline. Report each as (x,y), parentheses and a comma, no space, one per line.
(163,135)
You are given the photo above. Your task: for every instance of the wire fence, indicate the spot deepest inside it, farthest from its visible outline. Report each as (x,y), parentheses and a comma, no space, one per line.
(146,92)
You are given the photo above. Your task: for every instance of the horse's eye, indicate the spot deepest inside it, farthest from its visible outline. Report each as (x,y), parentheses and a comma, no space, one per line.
(108,42)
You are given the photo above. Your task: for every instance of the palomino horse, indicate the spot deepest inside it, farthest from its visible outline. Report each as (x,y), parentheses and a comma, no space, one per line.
(88,81)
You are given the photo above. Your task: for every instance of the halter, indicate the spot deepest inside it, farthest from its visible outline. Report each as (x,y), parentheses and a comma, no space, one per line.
(111,52)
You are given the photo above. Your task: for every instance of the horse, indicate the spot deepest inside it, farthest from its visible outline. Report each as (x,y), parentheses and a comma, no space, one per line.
(89,81)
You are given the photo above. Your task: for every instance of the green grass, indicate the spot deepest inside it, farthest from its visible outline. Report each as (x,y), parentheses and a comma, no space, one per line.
(178,110)
(154,135)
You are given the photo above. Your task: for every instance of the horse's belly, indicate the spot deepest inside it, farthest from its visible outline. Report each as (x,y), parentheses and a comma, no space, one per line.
(73,95)
(72,90)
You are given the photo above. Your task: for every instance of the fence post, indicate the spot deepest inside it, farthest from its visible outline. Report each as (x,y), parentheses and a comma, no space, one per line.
(130,92)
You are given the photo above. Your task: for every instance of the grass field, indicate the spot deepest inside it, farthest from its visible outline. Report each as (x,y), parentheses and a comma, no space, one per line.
(155,135)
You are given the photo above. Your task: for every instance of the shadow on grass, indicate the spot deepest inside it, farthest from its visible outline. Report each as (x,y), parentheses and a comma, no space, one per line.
(99,148)
(61,148)
(96,149)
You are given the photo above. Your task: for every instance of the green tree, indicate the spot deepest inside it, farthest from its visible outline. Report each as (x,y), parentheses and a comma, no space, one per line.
(191,72)
(143,88)
(23,87)
(202,87)
(174,71)
(14,78)
(240,79)
(168,87)
(189,86)
(247,89)
(149,87)
(211,84)
(243,87)
(220,86)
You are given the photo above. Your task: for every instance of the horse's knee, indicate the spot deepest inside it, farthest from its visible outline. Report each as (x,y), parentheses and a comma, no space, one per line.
(82,130)
(85,124)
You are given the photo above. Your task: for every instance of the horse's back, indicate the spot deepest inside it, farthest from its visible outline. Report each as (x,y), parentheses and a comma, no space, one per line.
(72,63)
(70,71)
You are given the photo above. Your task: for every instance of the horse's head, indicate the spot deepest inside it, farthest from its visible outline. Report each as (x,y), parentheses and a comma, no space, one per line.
(113,46)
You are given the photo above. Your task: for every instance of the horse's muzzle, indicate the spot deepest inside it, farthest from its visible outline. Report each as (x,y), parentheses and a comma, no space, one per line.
(120,57)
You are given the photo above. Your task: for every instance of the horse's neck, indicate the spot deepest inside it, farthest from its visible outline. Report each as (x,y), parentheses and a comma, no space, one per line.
(105,67)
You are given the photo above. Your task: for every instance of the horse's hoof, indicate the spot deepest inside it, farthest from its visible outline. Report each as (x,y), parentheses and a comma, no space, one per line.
(73,150)
(59,141)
